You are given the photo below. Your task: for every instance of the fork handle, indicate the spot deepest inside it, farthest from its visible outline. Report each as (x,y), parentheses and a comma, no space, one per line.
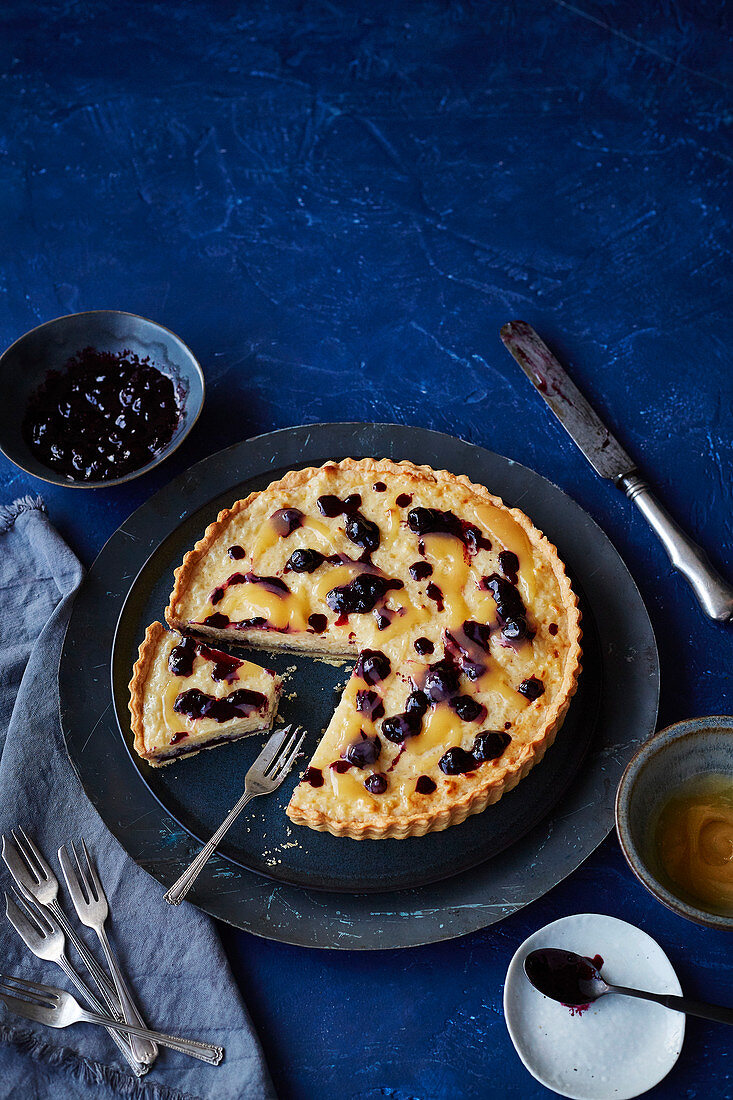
(104,985)
(205,1051)
(179,889)
(144,1051)
(139,1068)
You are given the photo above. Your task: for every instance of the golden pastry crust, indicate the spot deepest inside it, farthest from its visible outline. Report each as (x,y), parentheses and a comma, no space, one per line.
(147,652)
(456,796)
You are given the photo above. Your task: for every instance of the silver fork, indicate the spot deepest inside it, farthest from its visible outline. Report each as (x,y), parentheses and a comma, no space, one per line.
(92,909)
(42,935)
(264,776)
(36,880)
(55,1007)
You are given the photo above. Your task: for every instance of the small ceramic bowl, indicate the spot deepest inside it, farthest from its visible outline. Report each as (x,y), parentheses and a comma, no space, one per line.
(695,748)
(26,363)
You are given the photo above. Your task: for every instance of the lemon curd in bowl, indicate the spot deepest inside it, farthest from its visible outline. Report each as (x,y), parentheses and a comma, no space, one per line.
(692,840)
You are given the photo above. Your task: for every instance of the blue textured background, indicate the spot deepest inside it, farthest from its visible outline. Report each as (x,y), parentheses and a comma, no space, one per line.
(337,205)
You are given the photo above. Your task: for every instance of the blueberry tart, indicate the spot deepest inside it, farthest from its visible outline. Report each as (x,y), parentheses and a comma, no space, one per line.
(456,610)
(186,696)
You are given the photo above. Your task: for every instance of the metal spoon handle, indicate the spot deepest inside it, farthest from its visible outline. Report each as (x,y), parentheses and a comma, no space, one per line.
(719,1013)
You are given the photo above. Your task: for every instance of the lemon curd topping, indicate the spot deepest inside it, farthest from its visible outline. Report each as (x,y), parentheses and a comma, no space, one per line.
(693,841)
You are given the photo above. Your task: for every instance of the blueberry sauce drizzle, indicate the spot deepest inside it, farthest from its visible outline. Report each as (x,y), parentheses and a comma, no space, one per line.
(286,520)
(182,657)
(434,592)
(340,766)
(382,617)
(104,415)
(370,704)
(468,647)
(431,521)
(364,752)
(271,584)
(372,666)
(240,704)
(314,776)
(531,688)
(399,727)
(304,561)
(468,709)
(361,531)
(421,570)
(510,608)
(220,622)
(489,745)
(361,594)
(509,565)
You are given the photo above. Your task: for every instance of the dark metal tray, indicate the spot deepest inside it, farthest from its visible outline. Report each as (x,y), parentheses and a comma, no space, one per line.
(500,859)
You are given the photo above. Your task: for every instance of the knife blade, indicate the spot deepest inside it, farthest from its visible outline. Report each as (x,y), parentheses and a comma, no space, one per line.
(609,459)
(580,421)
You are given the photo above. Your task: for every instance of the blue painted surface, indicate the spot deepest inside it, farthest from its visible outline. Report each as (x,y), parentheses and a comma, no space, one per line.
(336,205)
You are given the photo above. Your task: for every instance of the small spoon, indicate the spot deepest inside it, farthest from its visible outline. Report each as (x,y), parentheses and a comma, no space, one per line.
(576,981)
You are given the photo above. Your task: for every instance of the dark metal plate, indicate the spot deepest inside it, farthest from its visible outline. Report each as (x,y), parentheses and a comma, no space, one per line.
(154,812)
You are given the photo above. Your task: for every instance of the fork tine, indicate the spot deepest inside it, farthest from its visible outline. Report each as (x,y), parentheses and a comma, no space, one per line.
(287,765)
(33,857)
(32,989)
(282,752)
(28,1009)
(82,883)
(93,876)
(15,863)
(42,916)
(18,908)
(23,860)
(272,748)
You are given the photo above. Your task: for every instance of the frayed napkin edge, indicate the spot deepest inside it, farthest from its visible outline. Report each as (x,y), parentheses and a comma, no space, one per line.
(10,512)
(86,1071)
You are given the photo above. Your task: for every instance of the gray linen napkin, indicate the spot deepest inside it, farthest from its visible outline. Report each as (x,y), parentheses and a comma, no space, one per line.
(172,957)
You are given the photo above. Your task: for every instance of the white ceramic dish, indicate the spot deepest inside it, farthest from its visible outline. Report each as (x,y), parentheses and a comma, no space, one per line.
(619,1047)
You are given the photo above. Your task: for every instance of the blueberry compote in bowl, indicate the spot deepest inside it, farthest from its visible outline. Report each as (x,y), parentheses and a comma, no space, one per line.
(94,399)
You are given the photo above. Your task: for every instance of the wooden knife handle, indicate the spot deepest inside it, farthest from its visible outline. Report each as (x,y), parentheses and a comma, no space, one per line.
(715,594)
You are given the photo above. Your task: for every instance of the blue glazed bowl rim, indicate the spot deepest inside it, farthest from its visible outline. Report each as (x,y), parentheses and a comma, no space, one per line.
(192,417)
(689,727)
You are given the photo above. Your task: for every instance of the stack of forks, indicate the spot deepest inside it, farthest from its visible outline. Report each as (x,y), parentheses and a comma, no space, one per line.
(35,913)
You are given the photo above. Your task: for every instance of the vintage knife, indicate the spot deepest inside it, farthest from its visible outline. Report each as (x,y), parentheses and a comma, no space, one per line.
(610,460)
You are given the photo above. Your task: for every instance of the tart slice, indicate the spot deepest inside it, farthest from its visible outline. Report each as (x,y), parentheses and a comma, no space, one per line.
(186,696)
(457,610)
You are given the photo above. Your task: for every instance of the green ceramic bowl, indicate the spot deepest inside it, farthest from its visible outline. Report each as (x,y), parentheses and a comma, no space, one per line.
(696,747)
